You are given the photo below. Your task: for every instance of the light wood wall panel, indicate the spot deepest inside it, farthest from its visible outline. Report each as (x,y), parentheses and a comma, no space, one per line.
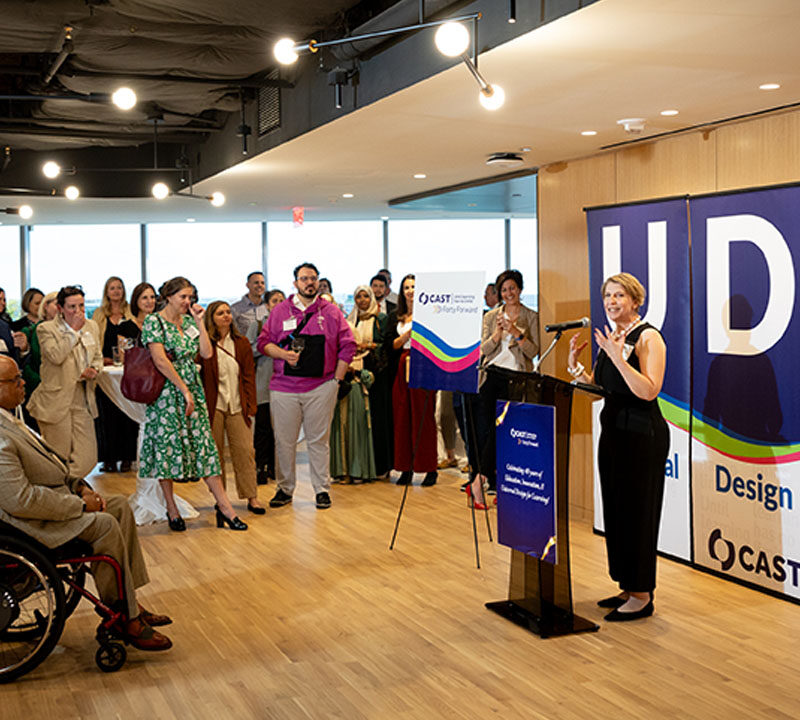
(761,151)
(673,166)
(564,190)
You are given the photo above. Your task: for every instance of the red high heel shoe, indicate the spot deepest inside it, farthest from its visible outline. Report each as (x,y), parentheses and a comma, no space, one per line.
(477,505)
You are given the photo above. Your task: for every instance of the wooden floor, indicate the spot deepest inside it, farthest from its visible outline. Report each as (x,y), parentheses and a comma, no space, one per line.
(309,615)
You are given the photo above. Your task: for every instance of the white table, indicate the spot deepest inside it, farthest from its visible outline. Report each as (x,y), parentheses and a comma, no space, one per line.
(147,502)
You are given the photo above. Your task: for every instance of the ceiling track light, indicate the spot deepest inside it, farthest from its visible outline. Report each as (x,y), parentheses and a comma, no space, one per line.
(24,211)
(217,199)
(286,50)
(512,11)
(452,39)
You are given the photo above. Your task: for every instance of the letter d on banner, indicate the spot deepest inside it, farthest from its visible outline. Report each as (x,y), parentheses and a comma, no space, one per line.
(720,233)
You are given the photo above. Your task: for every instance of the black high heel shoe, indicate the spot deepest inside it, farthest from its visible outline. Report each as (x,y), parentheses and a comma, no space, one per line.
(233,523)
(177,524)
(255,509)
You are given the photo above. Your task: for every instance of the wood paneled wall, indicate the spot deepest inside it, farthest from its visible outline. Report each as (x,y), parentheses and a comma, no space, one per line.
(750,153)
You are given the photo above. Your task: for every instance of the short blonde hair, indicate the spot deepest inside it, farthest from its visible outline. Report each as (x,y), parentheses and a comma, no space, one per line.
(630,284)
(46,300)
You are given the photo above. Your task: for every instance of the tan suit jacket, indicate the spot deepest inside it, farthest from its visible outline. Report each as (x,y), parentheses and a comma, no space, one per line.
(63,361)
(524,352)
(36,492)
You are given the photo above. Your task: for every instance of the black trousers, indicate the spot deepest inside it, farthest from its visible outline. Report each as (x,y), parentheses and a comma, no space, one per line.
(264,441)
(632,455)
(116,432)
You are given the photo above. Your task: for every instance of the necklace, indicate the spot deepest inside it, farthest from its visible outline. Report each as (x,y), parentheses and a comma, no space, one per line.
(622,333)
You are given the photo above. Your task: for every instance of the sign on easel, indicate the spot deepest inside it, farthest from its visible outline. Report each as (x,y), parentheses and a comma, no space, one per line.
(526,478)
(446,332)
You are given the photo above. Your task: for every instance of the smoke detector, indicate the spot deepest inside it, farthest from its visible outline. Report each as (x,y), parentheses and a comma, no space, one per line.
(504,159)
(634,126)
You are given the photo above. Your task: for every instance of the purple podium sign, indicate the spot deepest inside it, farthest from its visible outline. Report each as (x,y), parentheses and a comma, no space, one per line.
(526,478)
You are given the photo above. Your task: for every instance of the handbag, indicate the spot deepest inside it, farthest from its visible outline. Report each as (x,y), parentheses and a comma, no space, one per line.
(142,381)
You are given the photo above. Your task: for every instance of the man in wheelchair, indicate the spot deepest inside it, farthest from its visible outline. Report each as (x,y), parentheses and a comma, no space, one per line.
(38,497)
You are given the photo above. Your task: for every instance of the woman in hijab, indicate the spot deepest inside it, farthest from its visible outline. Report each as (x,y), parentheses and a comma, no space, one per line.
(353,455)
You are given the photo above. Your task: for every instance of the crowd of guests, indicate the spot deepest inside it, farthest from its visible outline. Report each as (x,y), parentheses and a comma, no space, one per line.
(258,371)
(254,373)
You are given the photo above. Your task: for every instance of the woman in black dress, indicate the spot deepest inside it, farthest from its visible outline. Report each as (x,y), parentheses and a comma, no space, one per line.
(116,432)
(634,442)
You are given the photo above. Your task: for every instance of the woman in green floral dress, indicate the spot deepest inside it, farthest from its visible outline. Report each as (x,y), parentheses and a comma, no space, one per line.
(177,440)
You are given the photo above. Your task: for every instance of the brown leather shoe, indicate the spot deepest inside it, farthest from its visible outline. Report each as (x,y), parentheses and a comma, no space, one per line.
(152,619)
(139,634)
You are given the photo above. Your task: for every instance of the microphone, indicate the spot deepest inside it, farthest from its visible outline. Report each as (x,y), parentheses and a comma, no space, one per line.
(571,325)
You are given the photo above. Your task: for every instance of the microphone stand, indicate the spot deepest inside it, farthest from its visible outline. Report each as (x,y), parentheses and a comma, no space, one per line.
(548,351)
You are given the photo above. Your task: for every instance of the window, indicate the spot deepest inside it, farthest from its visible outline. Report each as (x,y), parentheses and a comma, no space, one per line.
(9,278)
(216,257)
(524,257)
(347,253)
(85,255)
(445,246)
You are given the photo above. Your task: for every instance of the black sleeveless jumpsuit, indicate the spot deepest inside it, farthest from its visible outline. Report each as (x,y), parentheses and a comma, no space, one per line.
(634,442)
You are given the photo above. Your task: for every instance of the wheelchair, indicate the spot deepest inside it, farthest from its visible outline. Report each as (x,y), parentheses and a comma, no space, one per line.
(40,588)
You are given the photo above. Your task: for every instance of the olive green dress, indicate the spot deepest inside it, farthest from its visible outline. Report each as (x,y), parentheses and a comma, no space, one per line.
(173,445)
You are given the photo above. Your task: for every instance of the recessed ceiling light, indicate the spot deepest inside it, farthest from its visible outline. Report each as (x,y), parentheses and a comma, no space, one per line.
(588,133)
(669,113)
(347,195)
(769,86)
(420,176)
(190,219)
(384,217)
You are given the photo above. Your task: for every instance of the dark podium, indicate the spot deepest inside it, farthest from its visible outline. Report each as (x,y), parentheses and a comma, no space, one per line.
(539,592)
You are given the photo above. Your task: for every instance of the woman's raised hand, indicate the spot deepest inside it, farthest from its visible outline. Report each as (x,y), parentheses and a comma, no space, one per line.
(610,343)
(575,350)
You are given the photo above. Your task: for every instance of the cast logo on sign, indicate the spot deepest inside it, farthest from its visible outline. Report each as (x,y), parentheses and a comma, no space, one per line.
(721,232)
(750,560)
(656,266)
(425,298)
(524,437)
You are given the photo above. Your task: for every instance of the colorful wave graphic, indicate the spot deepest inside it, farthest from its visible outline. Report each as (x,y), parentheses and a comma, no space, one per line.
(443,356)
(726,442)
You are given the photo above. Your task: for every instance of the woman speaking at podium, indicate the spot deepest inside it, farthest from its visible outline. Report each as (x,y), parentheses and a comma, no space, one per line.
(634,442)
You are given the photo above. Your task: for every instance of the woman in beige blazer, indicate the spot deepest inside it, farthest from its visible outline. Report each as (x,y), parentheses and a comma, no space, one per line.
(64,403)
(510,340)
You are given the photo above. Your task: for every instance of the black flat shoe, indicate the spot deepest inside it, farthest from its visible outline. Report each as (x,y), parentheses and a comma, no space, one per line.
(108,468)
(233,523)
(430,479)
(612,602)
(176,524)
(256,510)
(617,616)
(405,478)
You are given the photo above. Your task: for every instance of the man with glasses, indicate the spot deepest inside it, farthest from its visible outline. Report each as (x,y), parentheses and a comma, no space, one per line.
(312,345)
(39,497)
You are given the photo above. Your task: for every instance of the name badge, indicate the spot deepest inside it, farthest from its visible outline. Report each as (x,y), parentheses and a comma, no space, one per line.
(3,346)
(627,349)
(192,332)
(290,324)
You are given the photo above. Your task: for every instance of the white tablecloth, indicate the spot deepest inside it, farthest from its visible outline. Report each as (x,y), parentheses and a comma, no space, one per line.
(147,502)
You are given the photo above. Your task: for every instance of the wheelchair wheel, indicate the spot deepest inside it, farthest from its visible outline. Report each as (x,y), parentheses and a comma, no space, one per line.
(76,572)
(110,656)
(32,608)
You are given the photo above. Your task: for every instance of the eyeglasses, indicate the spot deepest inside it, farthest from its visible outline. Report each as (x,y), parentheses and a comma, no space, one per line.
(16,379)
(307,278)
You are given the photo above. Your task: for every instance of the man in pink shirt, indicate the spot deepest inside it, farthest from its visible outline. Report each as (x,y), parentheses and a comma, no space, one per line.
(312,345)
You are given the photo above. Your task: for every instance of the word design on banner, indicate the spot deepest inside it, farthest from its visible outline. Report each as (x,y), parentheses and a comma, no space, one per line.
(446,331)
(526,462)
(651,241)
(746,394)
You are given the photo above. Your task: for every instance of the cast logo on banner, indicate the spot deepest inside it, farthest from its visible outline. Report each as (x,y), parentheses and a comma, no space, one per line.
(446,332)
(759,562)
